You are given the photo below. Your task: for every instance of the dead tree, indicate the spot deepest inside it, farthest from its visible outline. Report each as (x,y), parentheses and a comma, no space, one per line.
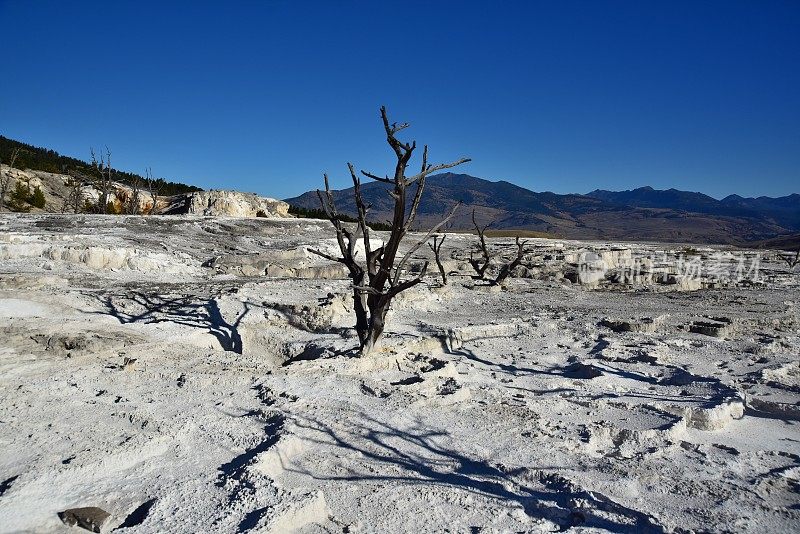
(154,188)
(103,180)
(436,247)
(379,279)
(132,203)
(74,200)
(508,268)
(5,178)
(480,264)
(792,261)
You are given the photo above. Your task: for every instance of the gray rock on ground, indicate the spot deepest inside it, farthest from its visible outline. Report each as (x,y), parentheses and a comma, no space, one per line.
(235,204)
(90,518)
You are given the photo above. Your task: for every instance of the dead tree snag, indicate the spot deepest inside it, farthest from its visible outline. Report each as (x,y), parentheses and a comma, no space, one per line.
(480,264)
(154,188)
(436,247)
(103,179)
(379,278)
(508,268)
(792,260)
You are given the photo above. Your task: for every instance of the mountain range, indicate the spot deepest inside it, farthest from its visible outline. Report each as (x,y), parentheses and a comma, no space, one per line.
(645,213)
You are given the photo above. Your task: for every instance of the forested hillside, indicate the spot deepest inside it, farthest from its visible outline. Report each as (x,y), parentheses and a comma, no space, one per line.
(43,159)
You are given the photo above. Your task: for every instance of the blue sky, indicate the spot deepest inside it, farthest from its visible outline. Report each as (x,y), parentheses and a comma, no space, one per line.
(558,96)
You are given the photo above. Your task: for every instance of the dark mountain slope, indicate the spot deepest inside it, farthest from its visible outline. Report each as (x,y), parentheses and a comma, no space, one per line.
(641,214)
(783,210)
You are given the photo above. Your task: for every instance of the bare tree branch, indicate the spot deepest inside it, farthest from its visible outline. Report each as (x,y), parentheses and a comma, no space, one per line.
(132,204)
(154,188)
(74,199)
(385,180)
(418,196)
(399,288)
(326,256)
(367,289)
(102,167)
(792,261)
(375,284)
(397,127)
(434,168)
(424,240)
(507,269)
(436,247)
(480,268)
(362,212)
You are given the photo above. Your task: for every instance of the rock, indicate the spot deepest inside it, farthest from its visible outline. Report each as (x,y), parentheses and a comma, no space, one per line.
(779,406)
(716,327)
(277,264)
(683,282)
(784,377)
(712,418)
(628,276)
(334,271)
(586,268)
(590,276)
(91,518)
(100,258)
(644,324)
(582,371)
(234,204)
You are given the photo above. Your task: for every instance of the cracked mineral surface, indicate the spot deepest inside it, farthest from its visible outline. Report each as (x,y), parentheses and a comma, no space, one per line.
(195,374)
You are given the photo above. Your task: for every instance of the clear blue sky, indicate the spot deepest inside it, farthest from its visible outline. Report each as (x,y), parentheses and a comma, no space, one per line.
(559,96)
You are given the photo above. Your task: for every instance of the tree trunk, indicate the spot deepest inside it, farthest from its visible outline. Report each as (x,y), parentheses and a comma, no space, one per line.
(360,309)
(376,326)
(379,280)
(441,271)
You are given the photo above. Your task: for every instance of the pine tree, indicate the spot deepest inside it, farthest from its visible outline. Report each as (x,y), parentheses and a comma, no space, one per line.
(37,199)
(20,197)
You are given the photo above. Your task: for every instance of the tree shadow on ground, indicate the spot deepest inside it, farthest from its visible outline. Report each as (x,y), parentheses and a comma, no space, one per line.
(234,474)
(186,310)
(673,376)
(416,456)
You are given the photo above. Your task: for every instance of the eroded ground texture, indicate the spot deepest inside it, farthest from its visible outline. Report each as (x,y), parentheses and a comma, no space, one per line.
(194,375)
